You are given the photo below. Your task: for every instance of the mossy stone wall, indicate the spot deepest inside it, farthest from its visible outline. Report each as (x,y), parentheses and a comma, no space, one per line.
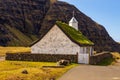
(100,57)
(55,57)
(41,57)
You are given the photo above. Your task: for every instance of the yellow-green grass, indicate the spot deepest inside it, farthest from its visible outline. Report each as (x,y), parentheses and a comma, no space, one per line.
(116,55)
(4,50)
(11,70)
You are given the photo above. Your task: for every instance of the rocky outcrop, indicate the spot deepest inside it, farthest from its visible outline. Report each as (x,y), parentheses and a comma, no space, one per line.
(33,18)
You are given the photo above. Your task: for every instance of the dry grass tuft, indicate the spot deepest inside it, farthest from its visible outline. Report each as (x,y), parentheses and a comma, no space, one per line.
(116,55)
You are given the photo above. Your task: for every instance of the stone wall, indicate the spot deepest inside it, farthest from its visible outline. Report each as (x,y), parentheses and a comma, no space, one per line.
(41,57)
(99,57)
(55,57)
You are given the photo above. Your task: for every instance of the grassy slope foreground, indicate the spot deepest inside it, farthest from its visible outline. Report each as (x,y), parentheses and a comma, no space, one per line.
(12,70)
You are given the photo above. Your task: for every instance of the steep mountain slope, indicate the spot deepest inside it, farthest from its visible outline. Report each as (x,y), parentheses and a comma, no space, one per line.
(23,21)
(20,20)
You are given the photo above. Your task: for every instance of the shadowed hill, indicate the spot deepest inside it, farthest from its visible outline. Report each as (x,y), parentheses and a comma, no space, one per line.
(24,21)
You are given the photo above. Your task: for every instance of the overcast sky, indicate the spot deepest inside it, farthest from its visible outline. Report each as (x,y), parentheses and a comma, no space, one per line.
(104,12)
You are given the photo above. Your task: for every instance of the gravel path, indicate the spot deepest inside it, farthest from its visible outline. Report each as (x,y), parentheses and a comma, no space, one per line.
(90,72)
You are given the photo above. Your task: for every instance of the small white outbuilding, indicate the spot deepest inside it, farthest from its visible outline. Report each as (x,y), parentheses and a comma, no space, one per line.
(65,39)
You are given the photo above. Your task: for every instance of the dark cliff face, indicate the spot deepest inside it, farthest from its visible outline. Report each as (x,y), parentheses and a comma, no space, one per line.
(20,21)
(23,21)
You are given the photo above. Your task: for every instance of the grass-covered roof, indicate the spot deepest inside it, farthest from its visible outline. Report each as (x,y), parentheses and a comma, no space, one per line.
(73,34)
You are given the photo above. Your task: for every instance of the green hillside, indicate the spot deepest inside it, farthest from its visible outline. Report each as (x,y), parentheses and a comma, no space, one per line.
(19,37)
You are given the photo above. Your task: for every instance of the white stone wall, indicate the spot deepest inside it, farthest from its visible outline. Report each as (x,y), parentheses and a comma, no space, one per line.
(55,42)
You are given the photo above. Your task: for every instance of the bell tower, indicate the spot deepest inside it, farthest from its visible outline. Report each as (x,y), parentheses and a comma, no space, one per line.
(73,22)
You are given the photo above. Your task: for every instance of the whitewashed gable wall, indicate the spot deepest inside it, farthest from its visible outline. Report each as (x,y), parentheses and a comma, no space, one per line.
(55,42)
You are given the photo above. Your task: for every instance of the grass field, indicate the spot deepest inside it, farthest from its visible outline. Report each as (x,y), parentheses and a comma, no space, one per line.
(4,50)
(12,70)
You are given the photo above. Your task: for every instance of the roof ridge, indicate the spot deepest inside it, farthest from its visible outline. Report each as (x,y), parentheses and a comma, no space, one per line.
(74,20)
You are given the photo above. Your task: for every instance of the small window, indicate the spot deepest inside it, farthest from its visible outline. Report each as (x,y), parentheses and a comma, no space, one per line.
(83,49)
(88,50)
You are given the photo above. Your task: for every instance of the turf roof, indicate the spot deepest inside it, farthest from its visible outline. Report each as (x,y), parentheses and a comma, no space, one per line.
(73,34)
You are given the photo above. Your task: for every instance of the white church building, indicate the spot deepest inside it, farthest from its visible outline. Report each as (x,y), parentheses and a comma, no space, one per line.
(65,38)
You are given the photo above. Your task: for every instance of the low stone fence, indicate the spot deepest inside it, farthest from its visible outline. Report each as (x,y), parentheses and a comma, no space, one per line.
(41,57)
(99,57)
(55,57)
